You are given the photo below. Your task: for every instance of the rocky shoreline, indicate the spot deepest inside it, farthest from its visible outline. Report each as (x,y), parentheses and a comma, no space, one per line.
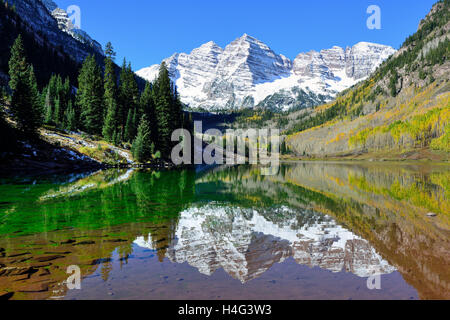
(58,153)
(415,155)
(21,166)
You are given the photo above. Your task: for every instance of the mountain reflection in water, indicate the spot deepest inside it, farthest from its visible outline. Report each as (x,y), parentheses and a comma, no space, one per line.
(128,227)
(245,242)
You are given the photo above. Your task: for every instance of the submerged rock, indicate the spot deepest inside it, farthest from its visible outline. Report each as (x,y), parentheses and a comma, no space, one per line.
(36,287)
(48,258)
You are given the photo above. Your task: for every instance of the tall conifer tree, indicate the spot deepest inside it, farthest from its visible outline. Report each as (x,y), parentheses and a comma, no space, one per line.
(90,96)
(143,147)
(163,103)
(25,102)
(130,127)
(111,125)
(148,108)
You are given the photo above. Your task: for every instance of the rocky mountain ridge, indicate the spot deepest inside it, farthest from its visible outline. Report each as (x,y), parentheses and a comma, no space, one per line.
(247,74)
(53,24)
(66,25)
(246,243)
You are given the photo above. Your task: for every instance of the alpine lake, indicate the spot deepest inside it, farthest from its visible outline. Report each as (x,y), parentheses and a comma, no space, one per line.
(313,230)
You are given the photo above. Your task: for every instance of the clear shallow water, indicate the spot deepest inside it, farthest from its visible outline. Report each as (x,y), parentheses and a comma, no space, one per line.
(313,231)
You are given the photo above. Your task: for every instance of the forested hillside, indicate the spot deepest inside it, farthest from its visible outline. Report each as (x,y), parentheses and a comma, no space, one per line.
(42,87)
(45,58)
(103,106)
(402,109)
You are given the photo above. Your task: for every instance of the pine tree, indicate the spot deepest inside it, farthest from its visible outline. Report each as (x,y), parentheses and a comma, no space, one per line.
(111,125)
(56,116)
(25,102)
(49,101)
(123,100)
(147,106)
(134,90)
(48,107)
(164,110)
(136,121)
(143,147)
(90,96)
(128,94)
(70,122)
(64,98)
(59,101)
(177,110)
(129,127)
(55,99)
(17,63)
(163,119)
(37,108)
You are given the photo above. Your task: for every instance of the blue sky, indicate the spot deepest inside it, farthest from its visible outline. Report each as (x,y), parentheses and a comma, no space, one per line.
(147,31)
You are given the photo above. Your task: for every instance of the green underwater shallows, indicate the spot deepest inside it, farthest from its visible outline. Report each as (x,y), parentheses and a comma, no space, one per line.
(107,198)
(96,201)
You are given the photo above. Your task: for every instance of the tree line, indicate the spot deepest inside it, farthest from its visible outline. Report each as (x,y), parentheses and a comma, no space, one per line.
(102,104)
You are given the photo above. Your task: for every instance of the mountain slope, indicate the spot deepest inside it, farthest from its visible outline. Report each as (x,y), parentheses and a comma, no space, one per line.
(50,47)
(38,14)
(66,25)
(46,57)
(51,42)
(403,108)
(247,74)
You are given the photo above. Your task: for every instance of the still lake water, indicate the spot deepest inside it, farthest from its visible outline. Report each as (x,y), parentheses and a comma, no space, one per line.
(312,231)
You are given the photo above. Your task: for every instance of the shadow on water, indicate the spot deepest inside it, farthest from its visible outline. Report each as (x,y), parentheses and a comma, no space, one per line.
(324,225)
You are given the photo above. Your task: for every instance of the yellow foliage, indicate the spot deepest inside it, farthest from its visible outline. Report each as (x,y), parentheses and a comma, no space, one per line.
(422,127)
(254,118)
(338,138)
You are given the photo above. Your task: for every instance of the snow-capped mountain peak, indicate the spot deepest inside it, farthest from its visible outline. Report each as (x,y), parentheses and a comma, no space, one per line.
(248,243)
(248,73)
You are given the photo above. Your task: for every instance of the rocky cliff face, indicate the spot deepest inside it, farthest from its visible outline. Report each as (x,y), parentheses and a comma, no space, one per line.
(46,19)
(354,63)
(65,24)
(247,242)
(247,73)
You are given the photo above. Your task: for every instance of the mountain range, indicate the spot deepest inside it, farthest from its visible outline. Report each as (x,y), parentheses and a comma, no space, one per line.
(245,243)
(53,43)
(47,20)
(244,74)
(248,74)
